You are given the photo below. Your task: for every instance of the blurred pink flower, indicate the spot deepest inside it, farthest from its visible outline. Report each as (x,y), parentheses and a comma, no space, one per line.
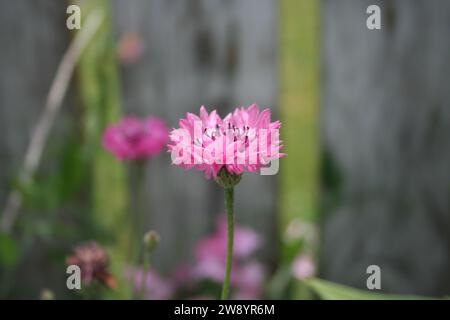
(156,287)
(249,282)
(246,242)
(136,139)
(245,140)
(93,260)
(303,267)
(212,268)
(211,251)
(130,47)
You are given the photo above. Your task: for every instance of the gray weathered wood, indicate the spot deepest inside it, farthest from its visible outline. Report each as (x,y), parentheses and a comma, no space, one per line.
(386,128)
(33,38)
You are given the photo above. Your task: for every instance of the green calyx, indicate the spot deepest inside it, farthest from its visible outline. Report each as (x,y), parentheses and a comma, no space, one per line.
(226,179)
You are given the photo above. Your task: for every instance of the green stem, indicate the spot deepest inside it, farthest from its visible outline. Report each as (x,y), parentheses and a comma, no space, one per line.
(145,270)
(229,203)
(138,249)
(139,209)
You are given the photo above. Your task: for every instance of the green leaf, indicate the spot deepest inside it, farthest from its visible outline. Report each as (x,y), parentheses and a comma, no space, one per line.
(50,190)
(9,251)
(332,291)
(278,286)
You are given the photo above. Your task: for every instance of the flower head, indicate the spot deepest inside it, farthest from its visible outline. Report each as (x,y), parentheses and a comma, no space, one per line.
(93,261)
(151,240)
(136,139)
(245,140)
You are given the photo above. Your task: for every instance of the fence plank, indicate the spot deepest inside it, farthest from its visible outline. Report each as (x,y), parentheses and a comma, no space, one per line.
(385,127)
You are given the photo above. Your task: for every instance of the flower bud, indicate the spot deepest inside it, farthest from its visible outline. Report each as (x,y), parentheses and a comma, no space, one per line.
(226,179)
(151,240)
(47,294)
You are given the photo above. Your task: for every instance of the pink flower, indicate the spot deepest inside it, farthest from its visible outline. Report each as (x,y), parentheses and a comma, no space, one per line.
(136,139)
(245,140)
(156,287)
(211,251)
(246,242)
(93,261)
(303,267)
(212,268)
(249,282)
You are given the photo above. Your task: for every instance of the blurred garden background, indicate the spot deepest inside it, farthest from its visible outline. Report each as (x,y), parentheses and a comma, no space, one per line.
(365,123)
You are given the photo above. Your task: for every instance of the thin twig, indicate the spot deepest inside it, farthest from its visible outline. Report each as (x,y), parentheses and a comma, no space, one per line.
(52,105)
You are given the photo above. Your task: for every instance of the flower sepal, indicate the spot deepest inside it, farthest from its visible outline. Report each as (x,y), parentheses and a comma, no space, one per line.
(226,179)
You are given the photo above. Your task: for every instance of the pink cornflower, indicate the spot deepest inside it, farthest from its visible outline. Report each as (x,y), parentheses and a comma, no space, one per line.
(245,140)
(136,139)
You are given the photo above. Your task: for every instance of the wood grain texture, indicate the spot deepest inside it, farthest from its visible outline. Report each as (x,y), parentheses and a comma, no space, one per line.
(33,39)
(385,128)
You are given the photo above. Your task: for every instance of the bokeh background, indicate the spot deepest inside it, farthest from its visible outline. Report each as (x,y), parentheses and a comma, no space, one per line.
(366,126)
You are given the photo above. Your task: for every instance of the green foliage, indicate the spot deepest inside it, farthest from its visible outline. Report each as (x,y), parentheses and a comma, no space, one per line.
(51,190)
(99,92)
(291,249)
(299,99)
(281,284)
(9,251)
(332,291)
(101,104)
(278,287)
(331,181)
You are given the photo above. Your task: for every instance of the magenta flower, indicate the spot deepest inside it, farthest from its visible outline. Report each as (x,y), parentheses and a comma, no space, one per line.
(136,139)
(245,140)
